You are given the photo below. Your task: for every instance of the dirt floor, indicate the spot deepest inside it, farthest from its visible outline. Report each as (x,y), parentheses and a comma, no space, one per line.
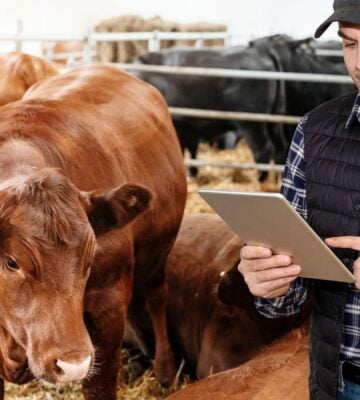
(146,387)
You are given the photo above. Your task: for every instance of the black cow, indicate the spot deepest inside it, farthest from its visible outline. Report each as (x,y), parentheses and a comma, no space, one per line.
(335,47)
(228,94)
(273,53)
(300,56)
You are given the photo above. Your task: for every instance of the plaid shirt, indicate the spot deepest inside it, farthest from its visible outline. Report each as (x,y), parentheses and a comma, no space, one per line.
(293,188)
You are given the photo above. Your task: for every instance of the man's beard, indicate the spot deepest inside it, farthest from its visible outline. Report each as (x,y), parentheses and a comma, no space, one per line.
(356,78)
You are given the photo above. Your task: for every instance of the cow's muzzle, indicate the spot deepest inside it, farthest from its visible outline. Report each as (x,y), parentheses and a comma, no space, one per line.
(70,371)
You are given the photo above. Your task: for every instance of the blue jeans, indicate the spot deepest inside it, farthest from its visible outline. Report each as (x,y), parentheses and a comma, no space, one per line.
(347,390)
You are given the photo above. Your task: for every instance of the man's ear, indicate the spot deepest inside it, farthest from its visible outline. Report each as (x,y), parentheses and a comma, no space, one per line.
(115,209)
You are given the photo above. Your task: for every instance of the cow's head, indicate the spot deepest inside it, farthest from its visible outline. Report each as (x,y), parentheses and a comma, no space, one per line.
(48,232)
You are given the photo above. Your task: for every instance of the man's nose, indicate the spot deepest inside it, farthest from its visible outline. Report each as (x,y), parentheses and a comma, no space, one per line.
(358,57)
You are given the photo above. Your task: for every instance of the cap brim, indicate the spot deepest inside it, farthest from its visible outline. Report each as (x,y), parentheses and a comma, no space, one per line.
(350,15)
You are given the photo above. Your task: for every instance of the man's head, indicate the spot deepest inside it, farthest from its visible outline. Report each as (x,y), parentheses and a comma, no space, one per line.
(350,35)
(345,11)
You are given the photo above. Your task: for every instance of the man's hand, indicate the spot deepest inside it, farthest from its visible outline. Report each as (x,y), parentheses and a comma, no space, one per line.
(267,275)
(348,242)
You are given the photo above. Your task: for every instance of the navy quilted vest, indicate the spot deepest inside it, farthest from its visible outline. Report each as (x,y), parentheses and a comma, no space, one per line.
(332,168)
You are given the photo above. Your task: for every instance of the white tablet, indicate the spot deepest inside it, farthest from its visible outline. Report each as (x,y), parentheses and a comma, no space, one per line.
(267,219)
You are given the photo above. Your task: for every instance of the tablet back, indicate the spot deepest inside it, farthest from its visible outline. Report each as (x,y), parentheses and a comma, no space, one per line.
(267,219)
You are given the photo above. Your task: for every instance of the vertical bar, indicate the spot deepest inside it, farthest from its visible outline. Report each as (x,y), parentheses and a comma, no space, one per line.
(199,42)
(87,47)
(228,40)
(154,42)
(19,30)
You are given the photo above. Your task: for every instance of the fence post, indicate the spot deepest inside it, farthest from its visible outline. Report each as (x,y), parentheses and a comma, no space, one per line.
(154,41)
(19,30)
(87,57)
(228,40)
(199,43)
(48,50)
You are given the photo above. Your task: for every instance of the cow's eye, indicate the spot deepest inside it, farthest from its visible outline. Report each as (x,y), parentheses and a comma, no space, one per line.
(11,264)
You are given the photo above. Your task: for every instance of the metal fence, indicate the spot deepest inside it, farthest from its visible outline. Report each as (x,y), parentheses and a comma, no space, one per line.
(154,39)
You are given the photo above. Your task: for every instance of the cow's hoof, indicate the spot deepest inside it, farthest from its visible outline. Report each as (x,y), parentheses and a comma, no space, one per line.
(165,373)
(166,381)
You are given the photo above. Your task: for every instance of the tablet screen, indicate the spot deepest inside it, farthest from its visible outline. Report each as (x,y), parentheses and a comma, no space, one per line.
(268,220)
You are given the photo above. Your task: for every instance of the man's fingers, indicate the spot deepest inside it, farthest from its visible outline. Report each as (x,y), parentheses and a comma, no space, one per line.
(265,283)
(276,274)
(254,252)
(266,274)
(261,264)
(344,242)
(273,289)
(281,291)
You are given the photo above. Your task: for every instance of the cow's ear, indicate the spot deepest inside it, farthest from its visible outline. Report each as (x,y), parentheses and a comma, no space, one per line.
(114,209)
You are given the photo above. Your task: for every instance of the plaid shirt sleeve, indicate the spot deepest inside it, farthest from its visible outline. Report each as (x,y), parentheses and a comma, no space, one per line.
(293,188)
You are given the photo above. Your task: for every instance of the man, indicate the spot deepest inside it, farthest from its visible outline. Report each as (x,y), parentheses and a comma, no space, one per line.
(322,182)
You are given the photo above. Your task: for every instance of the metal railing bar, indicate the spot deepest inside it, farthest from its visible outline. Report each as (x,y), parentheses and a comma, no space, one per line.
(233,73)
(233,115)
(219,164)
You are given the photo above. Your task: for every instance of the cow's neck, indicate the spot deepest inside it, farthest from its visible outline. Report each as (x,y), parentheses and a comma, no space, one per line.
(18,159)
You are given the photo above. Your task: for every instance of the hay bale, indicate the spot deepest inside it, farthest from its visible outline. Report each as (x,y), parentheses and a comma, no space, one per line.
(202,27)
(226,178)
(128,51)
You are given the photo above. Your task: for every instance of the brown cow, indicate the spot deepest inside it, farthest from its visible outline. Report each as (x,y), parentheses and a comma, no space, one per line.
(18,72)
(211,336)
(92,191)
(279,372)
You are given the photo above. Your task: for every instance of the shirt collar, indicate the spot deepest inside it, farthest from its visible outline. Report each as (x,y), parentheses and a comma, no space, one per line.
(355,113)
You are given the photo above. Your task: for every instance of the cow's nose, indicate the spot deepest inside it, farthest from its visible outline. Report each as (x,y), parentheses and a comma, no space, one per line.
(72,371)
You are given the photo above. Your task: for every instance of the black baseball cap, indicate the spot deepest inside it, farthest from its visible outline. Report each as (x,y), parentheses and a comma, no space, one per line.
(347,11)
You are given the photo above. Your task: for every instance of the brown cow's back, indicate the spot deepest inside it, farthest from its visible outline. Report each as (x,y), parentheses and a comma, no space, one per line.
(73,122)
(82,117)
(279,372)
(18,72)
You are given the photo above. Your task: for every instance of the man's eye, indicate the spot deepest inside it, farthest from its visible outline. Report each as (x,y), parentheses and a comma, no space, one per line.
(350,44)
(11,264)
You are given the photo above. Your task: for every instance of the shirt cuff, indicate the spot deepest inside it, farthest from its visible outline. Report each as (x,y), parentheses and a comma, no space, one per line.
(285,305)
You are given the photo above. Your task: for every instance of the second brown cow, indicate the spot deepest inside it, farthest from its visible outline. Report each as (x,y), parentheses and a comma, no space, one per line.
(280,371)
(210,335)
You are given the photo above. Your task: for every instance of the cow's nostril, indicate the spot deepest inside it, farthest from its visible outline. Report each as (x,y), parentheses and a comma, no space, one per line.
(67,372)
(58,370)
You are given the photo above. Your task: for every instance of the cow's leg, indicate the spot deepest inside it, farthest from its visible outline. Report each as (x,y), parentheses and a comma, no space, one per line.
(2,389)
(105,321)
(164,364)
(281,146)
(257,138)
(193,148)
(102,386)
(189,140)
